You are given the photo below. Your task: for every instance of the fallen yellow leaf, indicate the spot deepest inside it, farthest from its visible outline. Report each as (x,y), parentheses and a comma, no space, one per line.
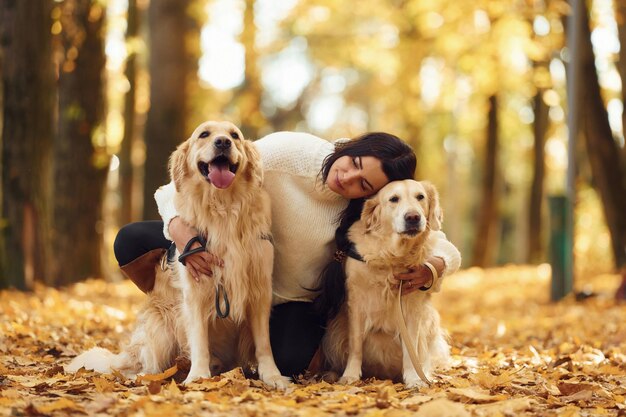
(103,385)
(473,395)
(60,404)
(158,377)
(442,407)
(503,408)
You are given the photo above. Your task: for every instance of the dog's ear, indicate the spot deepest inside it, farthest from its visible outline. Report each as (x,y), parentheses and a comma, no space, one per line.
(254,171)
(178,164)
(371,214)
(435,214)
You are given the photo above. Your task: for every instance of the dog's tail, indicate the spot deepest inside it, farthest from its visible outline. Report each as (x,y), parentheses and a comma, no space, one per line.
(101,360)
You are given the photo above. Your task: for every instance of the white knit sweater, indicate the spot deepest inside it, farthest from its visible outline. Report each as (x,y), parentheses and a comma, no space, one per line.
(304,211)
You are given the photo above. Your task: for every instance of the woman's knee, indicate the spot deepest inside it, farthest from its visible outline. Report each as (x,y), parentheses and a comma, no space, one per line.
(125,246)
(136,239)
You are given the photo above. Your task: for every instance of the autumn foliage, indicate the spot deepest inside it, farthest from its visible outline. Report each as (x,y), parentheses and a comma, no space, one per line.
(514,353)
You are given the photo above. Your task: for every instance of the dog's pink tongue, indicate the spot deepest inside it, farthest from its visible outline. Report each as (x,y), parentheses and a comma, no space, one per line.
(220,176)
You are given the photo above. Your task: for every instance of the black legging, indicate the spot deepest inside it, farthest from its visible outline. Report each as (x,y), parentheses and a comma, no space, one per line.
(295,329)
(136,239)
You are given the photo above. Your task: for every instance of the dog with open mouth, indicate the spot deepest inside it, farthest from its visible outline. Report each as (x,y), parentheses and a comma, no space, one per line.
(364,338)
(222,319)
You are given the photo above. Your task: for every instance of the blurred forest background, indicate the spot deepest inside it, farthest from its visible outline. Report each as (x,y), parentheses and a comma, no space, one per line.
(95,94)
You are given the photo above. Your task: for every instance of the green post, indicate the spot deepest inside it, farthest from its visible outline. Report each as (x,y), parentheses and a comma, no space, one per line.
(561,256)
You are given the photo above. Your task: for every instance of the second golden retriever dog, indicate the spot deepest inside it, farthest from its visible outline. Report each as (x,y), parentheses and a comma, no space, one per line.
(391,236)
(218,178)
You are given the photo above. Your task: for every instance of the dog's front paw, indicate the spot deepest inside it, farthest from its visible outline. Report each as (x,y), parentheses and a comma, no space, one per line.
(195,376)
(277,381)
(414,382)
(348,379)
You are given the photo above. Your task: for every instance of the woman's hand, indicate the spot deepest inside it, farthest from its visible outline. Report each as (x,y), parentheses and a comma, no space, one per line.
(420,276)
(199,263)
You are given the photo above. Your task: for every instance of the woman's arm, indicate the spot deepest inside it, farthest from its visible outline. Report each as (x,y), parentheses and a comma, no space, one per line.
(164,197)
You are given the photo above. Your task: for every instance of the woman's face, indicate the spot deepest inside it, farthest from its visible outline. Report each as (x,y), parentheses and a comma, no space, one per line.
(356,177)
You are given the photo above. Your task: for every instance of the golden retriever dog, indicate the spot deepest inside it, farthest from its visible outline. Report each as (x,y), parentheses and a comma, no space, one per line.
(218,178)
(391,236)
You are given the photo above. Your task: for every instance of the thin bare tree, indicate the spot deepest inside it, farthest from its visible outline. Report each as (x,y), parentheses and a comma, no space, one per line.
(488,214)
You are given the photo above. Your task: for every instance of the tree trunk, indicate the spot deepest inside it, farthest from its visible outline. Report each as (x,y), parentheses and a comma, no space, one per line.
(484,246)
(621,27)
(621,66)
(603,151)
(128,203)
(250,94)
(535,247)
(165,127)
(28,114)
(81,160)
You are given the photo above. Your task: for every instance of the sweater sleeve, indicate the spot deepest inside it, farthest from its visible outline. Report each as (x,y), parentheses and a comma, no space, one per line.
(164,197)
(450,255)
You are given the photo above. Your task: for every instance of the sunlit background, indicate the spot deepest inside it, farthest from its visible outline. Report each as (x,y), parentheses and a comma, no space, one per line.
(336,70)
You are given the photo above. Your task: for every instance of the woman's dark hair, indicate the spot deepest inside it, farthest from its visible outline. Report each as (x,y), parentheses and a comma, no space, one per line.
(398,163)
(397,158)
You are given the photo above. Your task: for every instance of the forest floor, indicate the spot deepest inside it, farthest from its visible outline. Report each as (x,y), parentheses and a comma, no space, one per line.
(513,353)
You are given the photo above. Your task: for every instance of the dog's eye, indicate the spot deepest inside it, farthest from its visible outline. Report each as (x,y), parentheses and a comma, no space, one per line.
(420,197)
(234,135)
(394,199)
(203,135)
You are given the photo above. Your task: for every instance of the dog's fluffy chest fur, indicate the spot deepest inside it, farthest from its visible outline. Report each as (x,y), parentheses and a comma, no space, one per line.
(232,230)
(372,281)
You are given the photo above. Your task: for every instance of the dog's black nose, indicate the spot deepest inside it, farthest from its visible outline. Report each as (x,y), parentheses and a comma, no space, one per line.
(412,218)
(222,143)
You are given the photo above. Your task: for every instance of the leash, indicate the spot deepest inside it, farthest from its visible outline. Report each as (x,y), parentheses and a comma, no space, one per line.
(218,308)
(407,340)
(220,291)
(187,251)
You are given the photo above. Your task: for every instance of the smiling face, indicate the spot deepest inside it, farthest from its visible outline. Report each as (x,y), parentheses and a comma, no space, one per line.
(406,208)
(216,151)
(215,154)
(356,177)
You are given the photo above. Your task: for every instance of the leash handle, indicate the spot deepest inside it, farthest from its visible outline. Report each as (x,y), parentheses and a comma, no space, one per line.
(220,292)
(407,340)
(187,252)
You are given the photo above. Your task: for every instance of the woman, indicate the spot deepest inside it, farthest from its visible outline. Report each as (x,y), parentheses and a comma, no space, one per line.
(311,182)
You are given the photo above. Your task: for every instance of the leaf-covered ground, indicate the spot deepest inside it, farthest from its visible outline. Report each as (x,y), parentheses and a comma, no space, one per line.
(514,353)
